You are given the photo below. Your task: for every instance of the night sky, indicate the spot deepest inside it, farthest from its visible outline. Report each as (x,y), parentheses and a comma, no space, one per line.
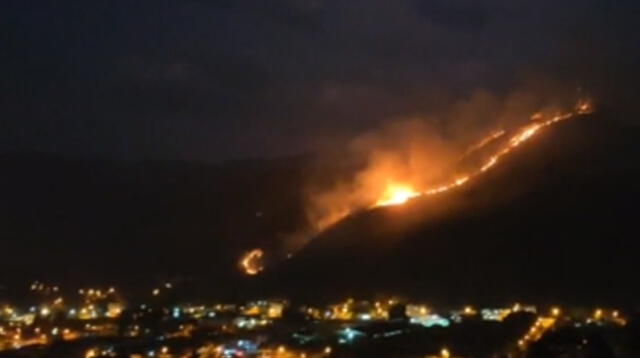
(221,79)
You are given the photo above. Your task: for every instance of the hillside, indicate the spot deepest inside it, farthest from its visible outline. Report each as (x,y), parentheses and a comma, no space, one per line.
(537,227)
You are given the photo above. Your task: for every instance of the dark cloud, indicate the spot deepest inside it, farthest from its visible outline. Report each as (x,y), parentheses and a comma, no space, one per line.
(218,79)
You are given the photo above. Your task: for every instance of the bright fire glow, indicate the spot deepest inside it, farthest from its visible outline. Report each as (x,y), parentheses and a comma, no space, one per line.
(484,142)
(397,194)
(251,262)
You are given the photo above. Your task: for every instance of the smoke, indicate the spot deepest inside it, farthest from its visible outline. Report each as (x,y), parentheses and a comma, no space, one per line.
(415,152)
(404,151)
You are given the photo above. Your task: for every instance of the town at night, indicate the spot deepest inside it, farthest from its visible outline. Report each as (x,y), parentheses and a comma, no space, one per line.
(101,322)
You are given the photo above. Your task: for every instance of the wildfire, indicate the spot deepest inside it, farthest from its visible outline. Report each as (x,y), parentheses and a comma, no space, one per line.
(484,142)
(251,262)
(397,194)
(584,106)
(397,175)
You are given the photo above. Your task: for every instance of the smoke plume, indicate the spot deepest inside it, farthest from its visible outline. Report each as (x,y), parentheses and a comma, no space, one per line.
(414,153)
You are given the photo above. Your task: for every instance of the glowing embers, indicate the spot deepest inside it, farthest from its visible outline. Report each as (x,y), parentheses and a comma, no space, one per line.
(525,134)
(484,142)
(397,194)
(251,262)
(584,106)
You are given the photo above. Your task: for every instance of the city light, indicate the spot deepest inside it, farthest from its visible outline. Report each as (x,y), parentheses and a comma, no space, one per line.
(44,311)
(352,322)
(444,353)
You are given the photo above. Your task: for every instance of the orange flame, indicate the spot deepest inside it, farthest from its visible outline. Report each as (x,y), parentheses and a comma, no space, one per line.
(484,142)
(397,194)
(400,166)
(251,262)
(584,106)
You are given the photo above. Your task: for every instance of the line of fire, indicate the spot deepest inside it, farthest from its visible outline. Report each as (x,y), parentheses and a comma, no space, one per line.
(400,192)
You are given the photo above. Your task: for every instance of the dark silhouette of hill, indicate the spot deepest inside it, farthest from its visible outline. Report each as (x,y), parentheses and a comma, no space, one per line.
(82,220)
(556,221)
